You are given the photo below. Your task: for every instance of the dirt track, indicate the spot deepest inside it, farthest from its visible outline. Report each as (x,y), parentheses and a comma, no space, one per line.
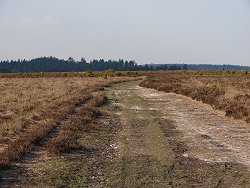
(168,140)
(209,134)
(148,138)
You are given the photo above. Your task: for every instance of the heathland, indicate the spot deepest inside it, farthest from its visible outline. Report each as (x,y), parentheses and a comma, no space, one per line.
(228,91)
(32,106)
(110,129)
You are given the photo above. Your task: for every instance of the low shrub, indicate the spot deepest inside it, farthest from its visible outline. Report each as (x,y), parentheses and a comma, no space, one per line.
(224,90)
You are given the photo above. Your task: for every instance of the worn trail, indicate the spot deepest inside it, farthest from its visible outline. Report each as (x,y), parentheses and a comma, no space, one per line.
(147,138)
(167,140)
(209,134)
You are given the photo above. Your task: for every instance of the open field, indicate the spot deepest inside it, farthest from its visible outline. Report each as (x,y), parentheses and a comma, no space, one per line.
(107,131)
(228,91)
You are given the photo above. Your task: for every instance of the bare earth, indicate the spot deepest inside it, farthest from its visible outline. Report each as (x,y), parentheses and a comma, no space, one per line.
(209,134)
(169,140)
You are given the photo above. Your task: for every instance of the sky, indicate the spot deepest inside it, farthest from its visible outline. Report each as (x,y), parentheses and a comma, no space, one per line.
(147,31)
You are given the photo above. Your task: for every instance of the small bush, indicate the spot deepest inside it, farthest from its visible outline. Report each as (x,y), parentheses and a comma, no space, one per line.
(215,87)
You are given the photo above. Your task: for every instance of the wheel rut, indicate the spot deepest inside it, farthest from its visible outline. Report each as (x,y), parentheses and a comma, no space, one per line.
(144,138)
(210,135)
(19,171)
(154,150)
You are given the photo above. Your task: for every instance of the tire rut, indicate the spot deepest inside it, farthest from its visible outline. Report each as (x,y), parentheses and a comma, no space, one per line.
(139,159)
(212,136)
(19,170)
(134,144)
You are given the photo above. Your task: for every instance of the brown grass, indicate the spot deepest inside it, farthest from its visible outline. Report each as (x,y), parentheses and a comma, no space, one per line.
(67,139)
(230,93)
(24,101)
(30,108)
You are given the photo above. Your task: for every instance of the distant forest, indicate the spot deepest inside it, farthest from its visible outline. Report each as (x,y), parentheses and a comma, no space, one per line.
(52,64)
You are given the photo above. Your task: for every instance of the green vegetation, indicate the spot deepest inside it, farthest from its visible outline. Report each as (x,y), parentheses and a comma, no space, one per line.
(104,74)
(215,87)
(52,64)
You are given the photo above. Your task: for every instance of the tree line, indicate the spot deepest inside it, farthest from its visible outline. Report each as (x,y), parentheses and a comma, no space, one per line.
(52,64)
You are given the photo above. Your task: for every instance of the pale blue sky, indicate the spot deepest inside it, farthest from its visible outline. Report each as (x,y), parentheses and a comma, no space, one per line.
(147,31)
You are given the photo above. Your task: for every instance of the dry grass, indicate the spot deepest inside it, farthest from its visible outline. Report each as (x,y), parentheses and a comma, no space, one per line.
(24,101)
(227,92)
(30,108)
(67,139)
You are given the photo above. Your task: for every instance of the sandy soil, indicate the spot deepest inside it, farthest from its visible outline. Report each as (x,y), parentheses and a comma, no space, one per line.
(210,135)
(168,140)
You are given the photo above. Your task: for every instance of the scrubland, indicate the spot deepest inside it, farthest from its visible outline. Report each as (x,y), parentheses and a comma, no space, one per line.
(31,105)
(228,91)
(55,130)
